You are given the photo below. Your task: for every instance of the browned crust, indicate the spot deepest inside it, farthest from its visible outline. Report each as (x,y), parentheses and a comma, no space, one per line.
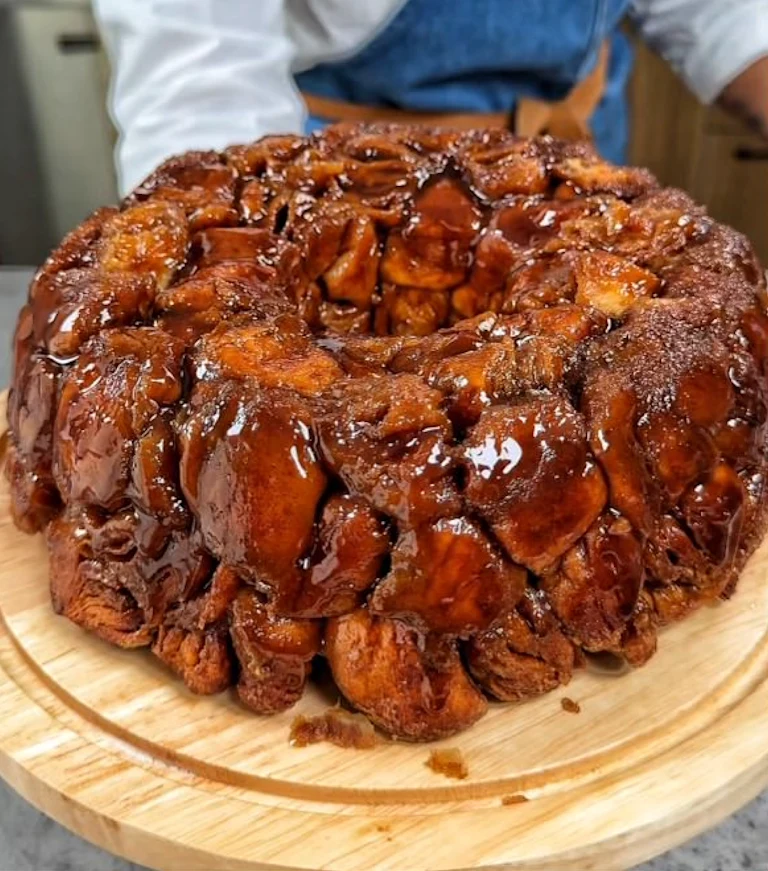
(452,408)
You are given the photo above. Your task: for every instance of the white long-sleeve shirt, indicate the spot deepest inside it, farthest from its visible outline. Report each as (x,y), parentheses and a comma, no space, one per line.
(191,74)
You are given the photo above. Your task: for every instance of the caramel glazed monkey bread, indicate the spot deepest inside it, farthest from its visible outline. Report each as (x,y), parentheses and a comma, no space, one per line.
(451,410)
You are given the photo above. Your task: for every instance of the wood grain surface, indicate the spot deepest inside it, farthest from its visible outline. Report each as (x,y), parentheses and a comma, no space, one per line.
(111,745)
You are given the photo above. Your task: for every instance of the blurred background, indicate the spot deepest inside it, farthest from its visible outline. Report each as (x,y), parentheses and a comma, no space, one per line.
(55,136)
(56,139)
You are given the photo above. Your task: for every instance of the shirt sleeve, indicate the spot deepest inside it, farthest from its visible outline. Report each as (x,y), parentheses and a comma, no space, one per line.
(708,42)
(195,74)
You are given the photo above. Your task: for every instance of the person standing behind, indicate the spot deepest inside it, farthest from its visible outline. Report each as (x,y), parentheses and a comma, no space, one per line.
(203,74)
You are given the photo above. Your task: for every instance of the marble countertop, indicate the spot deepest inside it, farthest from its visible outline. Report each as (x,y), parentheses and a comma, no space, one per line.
(29,841)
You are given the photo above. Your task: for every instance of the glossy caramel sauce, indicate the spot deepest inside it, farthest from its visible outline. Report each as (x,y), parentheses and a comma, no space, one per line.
(451,410)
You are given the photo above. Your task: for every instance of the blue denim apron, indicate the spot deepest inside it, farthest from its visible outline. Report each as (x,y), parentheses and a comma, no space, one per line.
(481,56)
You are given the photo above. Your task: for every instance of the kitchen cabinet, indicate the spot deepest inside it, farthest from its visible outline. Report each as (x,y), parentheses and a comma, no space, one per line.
(66,75)
(56,140)
(701,149)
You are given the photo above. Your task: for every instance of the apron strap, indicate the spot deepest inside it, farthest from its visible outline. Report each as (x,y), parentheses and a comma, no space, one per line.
(568,118)
(338,110)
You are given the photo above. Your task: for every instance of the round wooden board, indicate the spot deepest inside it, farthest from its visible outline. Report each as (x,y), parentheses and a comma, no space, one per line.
(111,745)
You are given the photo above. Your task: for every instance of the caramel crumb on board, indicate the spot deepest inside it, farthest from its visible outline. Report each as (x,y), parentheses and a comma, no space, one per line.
(449,762)
(513,799)
(336,726)
(570,706)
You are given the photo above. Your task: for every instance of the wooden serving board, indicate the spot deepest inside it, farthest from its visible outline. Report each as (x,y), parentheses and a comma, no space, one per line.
(111,745)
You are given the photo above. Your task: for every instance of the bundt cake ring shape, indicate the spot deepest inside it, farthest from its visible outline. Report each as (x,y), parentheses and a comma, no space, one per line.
(451,410)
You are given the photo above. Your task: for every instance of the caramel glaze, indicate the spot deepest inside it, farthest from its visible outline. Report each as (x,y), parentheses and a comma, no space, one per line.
(450,409)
